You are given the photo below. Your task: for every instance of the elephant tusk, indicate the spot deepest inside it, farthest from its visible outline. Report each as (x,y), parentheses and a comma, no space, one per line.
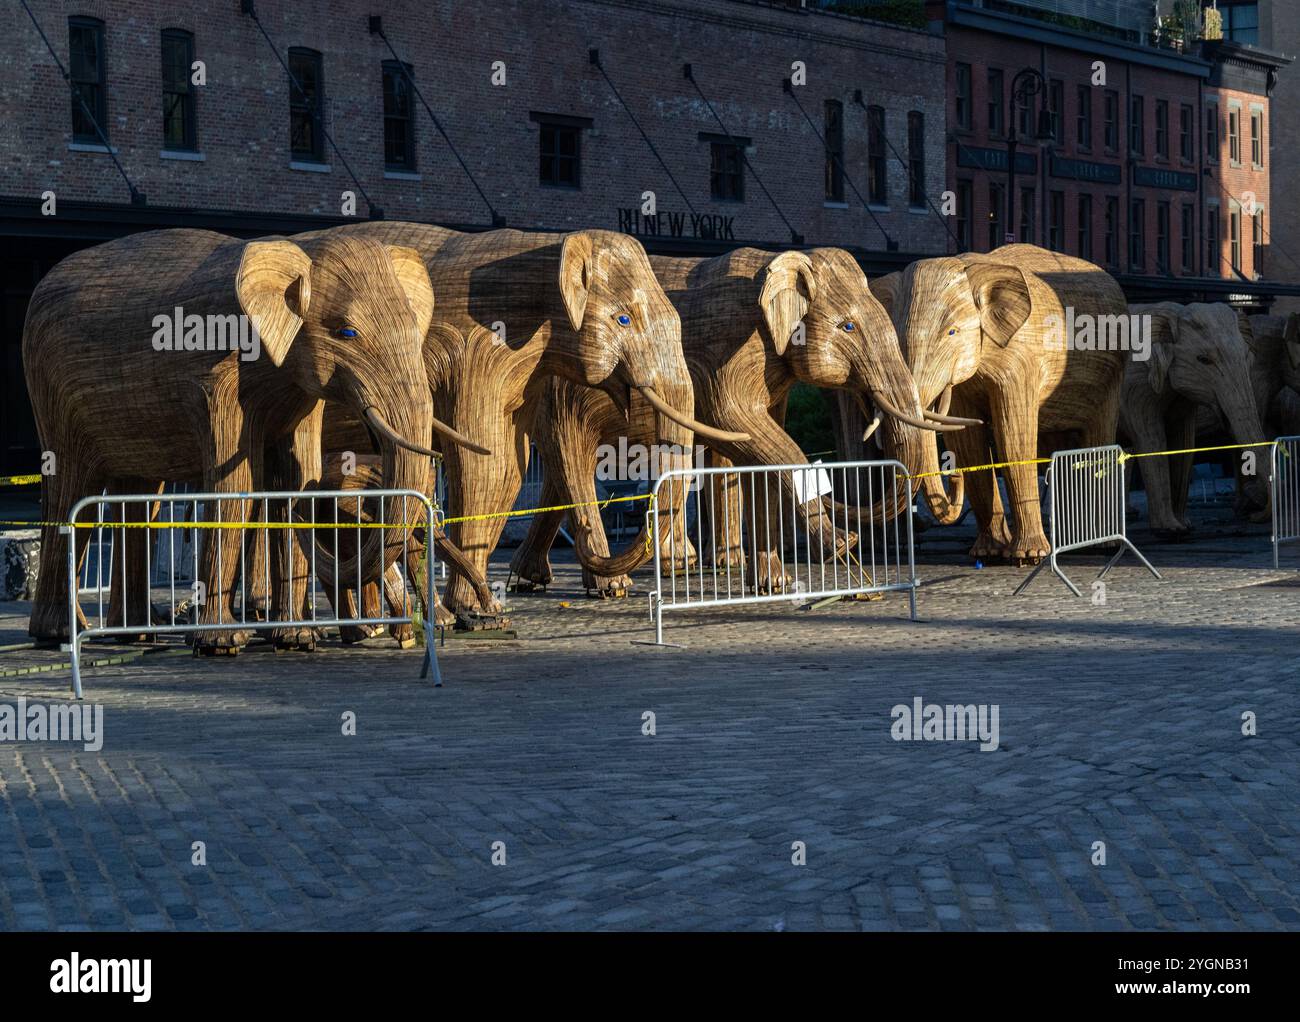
(953,420)
(875,425)
(381,427)
(457,437)
(686,422)
(912,420)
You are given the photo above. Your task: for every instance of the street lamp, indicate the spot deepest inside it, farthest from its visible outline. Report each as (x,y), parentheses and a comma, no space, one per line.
(1024,86)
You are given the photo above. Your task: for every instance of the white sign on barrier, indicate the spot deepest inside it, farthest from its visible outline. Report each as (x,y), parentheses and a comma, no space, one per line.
(811,484)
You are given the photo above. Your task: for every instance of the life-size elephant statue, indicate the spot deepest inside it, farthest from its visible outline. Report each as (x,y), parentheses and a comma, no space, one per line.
(516,309)
(1198,357)
(984,336)
(753,324)
(337,318)
(1274,343)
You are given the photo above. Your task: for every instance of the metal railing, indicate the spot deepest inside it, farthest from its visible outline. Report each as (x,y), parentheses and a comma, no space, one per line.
(766,533)
(1087,507)
(1284,484)
(285,528)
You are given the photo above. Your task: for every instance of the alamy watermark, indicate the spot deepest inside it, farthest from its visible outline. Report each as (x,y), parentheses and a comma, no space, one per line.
(931,722)
(1087,332)
(180,332)
(636,462)
(53,722)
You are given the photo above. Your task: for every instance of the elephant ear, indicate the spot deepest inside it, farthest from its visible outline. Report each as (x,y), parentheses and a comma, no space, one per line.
(414,279)
(789,287)
(1001,296)
(1164,335)
(274,288)
(886,290)
(577,271)
(1292,338)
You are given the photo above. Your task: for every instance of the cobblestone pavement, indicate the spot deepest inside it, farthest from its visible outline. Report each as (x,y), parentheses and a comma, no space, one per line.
(1119,723)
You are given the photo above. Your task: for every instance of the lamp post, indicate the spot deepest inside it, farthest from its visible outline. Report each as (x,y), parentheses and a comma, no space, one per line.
(1024,86)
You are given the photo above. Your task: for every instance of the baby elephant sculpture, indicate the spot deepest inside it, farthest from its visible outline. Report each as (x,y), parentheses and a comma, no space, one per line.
(1199,357)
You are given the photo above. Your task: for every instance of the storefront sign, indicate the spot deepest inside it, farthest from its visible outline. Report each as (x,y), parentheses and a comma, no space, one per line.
(994,159)
(1084,170)
(677,225)
(1156,177)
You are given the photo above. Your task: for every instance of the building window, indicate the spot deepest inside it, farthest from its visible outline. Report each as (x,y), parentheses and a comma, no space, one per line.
(997,103)
(1112,230)
(1188,236)
(1162,237)
(1056,221)
(877,166)
(1240,21)
(834,132)
(1162,129)
(1213,254)
(1027,215)
(1137,245)
(1085,227)
(1186,125)
(963,97)
(1112,121)
(559,149)
(1234,239)
(1056,108)
(306,106)
(399,119)
(1234,135)
(1136,126)
(86,69)
(1257,238)
(916,159)
(178,90)
(997,214)
(726,171)
(963,216)
(1212,131)
(1257,138)
(1083,117)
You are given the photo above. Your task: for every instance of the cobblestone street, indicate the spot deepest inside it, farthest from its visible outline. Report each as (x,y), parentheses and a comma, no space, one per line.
(1119,724)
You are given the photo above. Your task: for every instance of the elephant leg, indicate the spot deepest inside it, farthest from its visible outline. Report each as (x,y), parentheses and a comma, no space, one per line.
(1181,433)
(400,604)
(1015,431)
(129,598)
(726,510)
(297,466)
(970,446)
(1148,434)
(532,561)
(49,618)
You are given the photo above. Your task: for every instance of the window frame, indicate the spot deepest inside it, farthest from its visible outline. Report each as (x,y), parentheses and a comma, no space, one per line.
(189,98)
(916,159)
(555,127)
(1083,117)
(1112,129)
(1137,240)
(997,106)
(406,73)
(877,164)
(963,114)
(833,132)
(719,174)
(301,105)
(1084,226)
(99,84)
(1162,129)
(1137,144)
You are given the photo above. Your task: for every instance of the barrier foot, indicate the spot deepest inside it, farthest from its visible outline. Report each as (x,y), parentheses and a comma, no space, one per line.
(74,648)
(430,658)
(1136,553)
(1049,563)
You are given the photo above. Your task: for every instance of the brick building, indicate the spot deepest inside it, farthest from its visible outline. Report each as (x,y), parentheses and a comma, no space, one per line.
(549,139)
(1156,165)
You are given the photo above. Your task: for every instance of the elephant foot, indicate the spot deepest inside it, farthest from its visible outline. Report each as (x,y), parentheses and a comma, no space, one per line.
(294,640)
(1176,534)
(606,588)
(1028,550)
(404,634)
(475,620)
(771,574)
(533,573)
(220,643)
(354,633)
(731,559)
(989,549)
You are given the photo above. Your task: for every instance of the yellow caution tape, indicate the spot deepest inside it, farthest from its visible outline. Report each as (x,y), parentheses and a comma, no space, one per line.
(19,480)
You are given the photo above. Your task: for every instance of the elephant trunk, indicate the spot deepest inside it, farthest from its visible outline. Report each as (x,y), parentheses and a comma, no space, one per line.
(1244,424)
(665,412)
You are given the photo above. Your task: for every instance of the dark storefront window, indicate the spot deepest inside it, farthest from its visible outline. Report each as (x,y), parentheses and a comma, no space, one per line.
(997,214)
(179,131)
(1213,255)
(1137,242)
(306,106)
(833,130)
(1188,236)
(559,149)
(399,120)
(1186,127)
(1162,237)
(86,68)
(1083,117)
(1112,121)
(1136,126)
(1162,128)
(877,166)
(1056,108)
(963,216)
(1056,221)
(1027,215)
(1112,230)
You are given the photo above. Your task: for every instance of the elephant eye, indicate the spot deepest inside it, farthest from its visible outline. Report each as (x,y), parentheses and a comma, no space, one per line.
(623,319)
(951,332)
(1205,360)
(848,326)
(345,331)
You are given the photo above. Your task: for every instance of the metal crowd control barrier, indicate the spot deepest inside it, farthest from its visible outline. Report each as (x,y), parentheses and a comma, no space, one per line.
(1088,507)
(260,536)
(1284,482)
(767,533)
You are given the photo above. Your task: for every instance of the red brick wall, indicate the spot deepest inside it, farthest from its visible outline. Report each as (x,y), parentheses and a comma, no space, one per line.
(740,53)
